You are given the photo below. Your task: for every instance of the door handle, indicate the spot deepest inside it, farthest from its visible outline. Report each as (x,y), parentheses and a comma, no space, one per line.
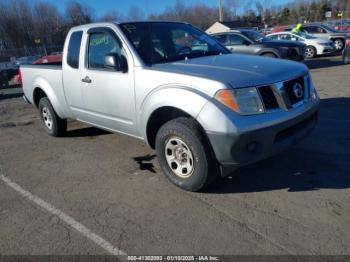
(86,80)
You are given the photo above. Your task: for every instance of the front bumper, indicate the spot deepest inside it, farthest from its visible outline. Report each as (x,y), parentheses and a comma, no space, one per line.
(234,150)
(326,50)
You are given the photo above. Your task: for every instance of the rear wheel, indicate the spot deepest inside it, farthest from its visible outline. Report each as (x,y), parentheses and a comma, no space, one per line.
(310,52)
(185,155)
(53,124)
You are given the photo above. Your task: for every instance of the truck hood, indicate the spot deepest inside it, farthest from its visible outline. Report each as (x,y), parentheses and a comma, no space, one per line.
(237,70)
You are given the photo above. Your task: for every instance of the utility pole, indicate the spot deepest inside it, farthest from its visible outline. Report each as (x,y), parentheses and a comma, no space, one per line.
(220,11)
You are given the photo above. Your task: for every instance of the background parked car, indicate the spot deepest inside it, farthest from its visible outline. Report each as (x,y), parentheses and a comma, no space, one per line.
(25,60)
(346,52)
(49,59)
(265,31)
(254,43)
(6,75)
(314,46)
(277,29)
(325,32)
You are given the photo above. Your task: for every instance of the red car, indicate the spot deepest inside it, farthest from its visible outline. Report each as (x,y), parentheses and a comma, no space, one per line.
(277,29)
(48,59)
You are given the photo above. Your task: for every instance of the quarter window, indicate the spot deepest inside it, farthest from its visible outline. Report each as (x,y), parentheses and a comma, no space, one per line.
(101,44)
(74,49)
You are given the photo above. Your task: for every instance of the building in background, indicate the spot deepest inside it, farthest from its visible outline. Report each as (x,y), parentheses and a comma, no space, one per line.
(226,26)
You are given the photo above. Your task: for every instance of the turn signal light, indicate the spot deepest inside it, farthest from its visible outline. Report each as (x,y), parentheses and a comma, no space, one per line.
(226,97)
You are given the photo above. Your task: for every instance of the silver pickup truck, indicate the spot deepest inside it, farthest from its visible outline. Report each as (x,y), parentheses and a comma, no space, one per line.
(205,111)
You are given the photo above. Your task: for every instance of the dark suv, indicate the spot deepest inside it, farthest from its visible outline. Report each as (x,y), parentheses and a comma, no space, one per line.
(251,42)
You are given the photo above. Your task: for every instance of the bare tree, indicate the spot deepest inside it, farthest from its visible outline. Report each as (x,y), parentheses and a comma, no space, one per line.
(233,7)
(48,23)
(78,14)
(112,16)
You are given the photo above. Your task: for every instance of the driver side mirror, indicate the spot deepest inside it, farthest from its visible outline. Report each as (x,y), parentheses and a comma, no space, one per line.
(246,42)
(114,62)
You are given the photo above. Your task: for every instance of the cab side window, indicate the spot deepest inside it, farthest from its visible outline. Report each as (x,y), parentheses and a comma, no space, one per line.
(74,49)
(100,44)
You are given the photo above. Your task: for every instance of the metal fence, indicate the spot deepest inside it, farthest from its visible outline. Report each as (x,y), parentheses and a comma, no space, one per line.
(39,51)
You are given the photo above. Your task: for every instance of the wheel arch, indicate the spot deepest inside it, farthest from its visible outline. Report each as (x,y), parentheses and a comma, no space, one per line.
(267,51)
(42,88)
(166,104)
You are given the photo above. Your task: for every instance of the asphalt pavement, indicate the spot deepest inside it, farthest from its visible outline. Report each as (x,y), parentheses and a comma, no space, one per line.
(93,192)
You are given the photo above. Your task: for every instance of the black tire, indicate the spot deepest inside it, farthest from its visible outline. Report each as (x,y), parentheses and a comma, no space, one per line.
(269,54)
(205,167)
(58,125)
(310,52)
(339,44)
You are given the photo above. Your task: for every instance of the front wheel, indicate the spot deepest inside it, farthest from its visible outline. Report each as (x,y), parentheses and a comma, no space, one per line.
(338,44)
(53,124)
(310,52)
(185,155)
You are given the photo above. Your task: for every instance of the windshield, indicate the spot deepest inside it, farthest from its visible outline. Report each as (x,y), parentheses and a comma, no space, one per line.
(161,42)
(255,36)
(305,35)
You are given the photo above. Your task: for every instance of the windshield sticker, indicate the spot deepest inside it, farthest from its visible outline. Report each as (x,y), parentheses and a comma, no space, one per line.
(130,28)
(104,40)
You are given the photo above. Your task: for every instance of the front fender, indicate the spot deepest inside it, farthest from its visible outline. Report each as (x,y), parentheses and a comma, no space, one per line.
(186,99)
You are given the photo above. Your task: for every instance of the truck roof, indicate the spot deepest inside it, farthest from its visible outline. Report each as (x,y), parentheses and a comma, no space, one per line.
(86,26)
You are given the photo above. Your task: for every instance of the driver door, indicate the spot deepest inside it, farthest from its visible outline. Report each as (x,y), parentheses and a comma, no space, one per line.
(108,95)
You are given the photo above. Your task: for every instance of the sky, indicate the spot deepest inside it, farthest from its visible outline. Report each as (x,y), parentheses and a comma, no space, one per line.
(148,6)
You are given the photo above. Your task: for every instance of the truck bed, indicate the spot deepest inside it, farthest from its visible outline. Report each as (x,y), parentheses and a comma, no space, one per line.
(49,78)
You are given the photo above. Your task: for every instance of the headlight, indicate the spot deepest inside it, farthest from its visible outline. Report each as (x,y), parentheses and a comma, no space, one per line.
(245,101)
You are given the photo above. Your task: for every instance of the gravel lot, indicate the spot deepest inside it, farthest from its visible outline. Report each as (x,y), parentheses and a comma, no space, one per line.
(295,203)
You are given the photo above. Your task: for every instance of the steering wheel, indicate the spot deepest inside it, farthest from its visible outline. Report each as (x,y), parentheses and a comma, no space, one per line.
(184,50)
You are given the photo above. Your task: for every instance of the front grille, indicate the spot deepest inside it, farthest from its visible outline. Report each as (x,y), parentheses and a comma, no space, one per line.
(289,87)
(268,98)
